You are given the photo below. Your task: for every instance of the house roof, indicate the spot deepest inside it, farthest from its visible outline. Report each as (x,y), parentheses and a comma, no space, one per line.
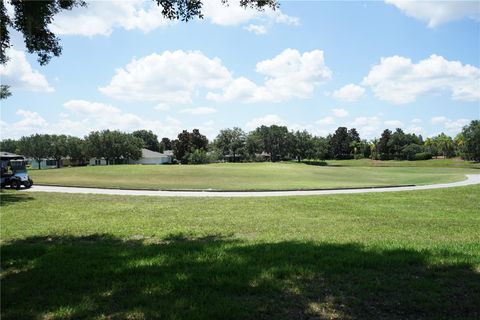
(8,155)
(152,154)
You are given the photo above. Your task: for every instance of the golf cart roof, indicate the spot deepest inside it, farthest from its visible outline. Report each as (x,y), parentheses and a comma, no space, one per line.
(10,156)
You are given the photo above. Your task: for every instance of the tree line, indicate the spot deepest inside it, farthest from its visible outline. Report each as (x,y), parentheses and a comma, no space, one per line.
(265,143)
(278,143)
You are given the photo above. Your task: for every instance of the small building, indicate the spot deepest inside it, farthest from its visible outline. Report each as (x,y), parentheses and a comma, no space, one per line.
(153,157)
(148,157)
(44,163)
(50,163)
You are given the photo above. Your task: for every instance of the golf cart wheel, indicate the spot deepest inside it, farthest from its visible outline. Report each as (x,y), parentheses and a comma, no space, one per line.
(15,184)
(27,184)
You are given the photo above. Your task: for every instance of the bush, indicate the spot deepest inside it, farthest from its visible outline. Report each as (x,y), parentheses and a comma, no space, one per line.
(198,156)
(314,162)
(409,152)
(422,156)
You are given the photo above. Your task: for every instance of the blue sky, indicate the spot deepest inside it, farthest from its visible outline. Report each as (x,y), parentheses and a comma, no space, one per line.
(312,65)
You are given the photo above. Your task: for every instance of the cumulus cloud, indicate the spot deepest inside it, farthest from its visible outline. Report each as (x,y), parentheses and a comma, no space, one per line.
(175,77)
(368,127)
(102,17)
(82,116)
(103,116)
(436,13)
(450,126)
(267,120)
(170,77)
(199,110)
(349,93)
(398,80)
(30,122)
(234,15)
(290,74)
(19,74)
(340,113)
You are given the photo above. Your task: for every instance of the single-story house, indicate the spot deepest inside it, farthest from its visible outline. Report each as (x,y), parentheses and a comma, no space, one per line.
(153,157)
(52,163)
(44,163)
(148,157)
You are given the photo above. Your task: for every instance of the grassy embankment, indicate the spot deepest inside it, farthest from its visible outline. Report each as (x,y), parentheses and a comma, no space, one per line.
(259,176)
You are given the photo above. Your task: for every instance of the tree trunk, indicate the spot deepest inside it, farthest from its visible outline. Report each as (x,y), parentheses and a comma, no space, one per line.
(39,164)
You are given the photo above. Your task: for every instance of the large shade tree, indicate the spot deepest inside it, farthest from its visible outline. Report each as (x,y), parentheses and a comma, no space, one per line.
(231,142)
(149,139)
(469,141)
(37,146)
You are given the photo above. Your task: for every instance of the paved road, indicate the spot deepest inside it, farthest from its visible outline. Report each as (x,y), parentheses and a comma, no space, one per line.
(471,179)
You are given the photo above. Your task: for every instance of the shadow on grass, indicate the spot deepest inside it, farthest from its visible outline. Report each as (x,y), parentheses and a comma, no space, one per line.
(214,278)
(11,197)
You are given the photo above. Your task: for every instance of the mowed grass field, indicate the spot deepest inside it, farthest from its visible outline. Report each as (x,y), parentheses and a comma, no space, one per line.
(255,176)
(402,255)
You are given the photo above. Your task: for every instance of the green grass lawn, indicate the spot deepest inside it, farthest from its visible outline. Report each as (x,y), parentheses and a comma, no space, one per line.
(248,176)
(405,255)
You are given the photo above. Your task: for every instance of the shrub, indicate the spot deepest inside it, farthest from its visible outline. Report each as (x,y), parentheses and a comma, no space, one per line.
(198,156)
(409,152)
(422,156)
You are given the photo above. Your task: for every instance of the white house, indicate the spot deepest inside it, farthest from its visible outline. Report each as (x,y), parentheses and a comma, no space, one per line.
(148,157)
(153,157)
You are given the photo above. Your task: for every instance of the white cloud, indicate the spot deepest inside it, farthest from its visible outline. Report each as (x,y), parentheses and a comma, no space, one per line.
(102,17)
(257,29)
(84,116)
(233,14)
(416,120)
(368,127)
(290,74)
(18,74)
(436,13)
(455,126)
(170,77)
(267,120)
(349,93)
(450,126)
(340,113)
(30,119)
(30,122)
(199,110)
(394,123)
(325,121)
(103,116)
(396,79)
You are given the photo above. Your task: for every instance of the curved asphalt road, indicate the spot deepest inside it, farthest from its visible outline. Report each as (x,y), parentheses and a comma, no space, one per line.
(471,179)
